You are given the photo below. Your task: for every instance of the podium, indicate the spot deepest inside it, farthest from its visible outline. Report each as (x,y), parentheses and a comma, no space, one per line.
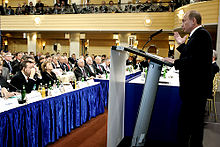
(117,96)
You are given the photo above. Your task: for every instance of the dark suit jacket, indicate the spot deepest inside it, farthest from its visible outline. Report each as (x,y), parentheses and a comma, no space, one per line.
(5,64)
(89,71)
(4,83)
(14,62)
(71,60)
(215,69)
(98,70)
(79,74)
(46,78)
(16,68)
(194,66)
(19,80)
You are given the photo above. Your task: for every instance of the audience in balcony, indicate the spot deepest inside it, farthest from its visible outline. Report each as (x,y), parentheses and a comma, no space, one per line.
(103,8)
(60,7)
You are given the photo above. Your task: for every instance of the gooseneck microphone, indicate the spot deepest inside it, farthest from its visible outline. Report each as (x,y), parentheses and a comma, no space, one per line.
(151,36)
(156,33)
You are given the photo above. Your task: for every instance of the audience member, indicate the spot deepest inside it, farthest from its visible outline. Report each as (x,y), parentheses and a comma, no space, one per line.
(7,62)
(48,76)
(99,68)
(90,67)
(106,65)
(103,8)
(80,71)
(24,77)
(215,67)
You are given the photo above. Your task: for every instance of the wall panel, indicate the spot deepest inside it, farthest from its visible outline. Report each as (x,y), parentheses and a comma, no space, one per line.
(209,11)
(14,3)
(17,45)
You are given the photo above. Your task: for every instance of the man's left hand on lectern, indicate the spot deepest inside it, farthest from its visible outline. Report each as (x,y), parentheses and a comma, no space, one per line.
(166,59)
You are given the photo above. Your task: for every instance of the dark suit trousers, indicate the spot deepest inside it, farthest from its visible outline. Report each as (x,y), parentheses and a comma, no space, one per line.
(191,122)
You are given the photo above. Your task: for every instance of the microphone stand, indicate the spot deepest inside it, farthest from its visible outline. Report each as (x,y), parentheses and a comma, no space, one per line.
(150,38)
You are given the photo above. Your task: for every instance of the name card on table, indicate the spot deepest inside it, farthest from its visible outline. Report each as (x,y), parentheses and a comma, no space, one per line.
(82,84)
(67,87)
(54,92)
(33,96)
(90,82)
(7,104)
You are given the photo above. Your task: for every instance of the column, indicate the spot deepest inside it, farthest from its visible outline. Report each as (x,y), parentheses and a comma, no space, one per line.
(218,43)
(32,42)
(123,38)
(74,44)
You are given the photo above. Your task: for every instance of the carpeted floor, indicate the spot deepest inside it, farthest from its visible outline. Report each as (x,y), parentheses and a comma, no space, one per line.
(91,134)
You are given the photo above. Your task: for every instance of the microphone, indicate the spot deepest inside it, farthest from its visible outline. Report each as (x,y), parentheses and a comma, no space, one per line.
(156,33)
(151,36)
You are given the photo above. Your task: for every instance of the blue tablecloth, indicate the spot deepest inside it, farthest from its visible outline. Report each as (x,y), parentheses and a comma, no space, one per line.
(42,122)
(105,84)
(163,126)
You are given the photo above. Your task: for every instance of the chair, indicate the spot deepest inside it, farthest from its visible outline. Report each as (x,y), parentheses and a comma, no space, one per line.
(211,101)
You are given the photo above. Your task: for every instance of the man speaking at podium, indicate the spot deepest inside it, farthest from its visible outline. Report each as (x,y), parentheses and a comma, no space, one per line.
(194,67)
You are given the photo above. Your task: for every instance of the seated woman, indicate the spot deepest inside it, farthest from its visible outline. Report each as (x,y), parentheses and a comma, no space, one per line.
(47,74)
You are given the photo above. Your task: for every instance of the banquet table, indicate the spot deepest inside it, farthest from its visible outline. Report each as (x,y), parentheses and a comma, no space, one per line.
(163,125)
(45,121)
(105,83)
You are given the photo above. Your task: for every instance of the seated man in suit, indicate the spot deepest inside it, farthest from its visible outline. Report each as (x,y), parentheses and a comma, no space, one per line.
(99,68)
(7,61)
(80,71)
(215,67)
(72,59)
(4,84)
(62,64)
(106,65)
(90,67)
(24,77)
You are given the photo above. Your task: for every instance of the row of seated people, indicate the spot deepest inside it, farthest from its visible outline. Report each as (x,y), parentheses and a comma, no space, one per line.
(36,70)
(63,8)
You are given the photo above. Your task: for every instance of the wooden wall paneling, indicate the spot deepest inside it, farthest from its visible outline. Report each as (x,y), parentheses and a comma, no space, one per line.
(14,3)
(48,2)
(50,43)
(17,45)
(89,22)
(209,11)
(100,47)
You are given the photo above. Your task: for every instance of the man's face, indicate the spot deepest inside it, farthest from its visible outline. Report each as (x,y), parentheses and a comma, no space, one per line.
(19,56)
(81,63)
(98,60)
(187,24)
(27,70)
(89,61)
(8,58)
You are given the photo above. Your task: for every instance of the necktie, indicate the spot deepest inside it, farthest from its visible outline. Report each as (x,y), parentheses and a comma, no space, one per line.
(188,39)
(68,66)
(10,68)
(84,74)
(100,67)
